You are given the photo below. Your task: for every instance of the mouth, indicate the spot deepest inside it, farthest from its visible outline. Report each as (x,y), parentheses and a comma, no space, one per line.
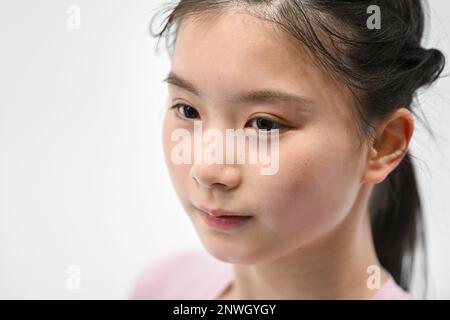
(222,219)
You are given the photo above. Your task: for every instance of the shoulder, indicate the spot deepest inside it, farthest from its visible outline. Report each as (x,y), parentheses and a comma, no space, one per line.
(187,274)
(391,290)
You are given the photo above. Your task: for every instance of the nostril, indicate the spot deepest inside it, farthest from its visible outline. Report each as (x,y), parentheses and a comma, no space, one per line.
(218,176)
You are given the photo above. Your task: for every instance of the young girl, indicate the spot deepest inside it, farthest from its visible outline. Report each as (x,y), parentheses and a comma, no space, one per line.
(341,217)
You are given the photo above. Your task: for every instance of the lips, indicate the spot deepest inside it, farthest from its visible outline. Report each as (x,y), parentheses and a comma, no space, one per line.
(221,213)
(222,219)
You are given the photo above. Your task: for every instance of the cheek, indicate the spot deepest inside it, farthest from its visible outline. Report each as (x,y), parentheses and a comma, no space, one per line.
(177,172)
(312,191)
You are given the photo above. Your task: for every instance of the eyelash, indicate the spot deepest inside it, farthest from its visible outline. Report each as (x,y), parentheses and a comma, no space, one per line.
(279,125)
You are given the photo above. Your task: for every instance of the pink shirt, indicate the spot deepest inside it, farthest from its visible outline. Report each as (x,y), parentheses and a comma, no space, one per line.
(197,275)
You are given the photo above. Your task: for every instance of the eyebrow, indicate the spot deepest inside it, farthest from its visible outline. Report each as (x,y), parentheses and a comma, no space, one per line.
(248,98)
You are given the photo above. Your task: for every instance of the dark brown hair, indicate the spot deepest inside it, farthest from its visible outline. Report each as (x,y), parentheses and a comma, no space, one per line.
(383,68)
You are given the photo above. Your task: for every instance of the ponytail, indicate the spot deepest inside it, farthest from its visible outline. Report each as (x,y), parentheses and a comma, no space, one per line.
(397,221)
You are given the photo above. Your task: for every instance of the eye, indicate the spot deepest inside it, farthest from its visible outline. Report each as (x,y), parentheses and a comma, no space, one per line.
(186,111)
(266,124)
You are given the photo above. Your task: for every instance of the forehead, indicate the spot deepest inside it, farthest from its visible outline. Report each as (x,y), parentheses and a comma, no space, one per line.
(235,51)
(234,44)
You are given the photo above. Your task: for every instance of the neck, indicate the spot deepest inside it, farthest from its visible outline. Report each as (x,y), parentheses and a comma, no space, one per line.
(333,267)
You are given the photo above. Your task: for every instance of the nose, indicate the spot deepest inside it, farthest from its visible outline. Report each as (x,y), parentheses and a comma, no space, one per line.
(218,175)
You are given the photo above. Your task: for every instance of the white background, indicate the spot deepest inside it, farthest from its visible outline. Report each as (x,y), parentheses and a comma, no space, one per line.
(82,176)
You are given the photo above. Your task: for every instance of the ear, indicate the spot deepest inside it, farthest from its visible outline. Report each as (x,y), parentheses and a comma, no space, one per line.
(389,146)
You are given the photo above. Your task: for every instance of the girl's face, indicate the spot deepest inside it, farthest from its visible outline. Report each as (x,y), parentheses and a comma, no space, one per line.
(320,165)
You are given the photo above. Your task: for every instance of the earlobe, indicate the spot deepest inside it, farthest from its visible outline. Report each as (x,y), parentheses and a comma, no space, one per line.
(379,168)
(374,169)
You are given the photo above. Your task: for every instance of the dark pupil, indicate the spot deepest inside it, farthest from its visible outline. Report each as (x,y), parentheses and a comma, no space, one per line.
(263,123)
(190,112)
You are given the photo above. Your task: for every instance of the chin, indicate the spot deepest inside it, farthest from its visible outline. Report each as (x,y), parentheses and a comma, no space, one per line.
(231,253)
